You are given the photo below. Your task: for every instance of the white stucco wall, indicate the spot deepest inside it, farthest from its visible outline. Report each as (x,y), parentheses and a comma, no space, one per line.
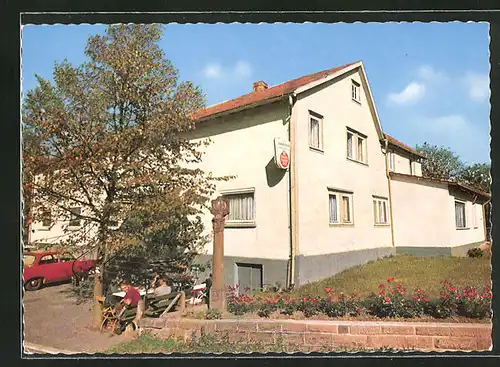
(318,170)
(242,145)
(401,164)
(424,216)
(474,232)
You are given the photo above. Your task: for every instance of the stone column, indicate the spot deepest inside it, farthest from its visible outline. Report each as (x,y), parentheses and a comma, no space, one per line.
(220,210)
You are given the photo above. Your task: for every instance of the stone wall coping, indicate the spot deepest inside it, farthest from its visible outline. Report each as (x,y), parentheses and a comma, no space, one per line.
(346,322)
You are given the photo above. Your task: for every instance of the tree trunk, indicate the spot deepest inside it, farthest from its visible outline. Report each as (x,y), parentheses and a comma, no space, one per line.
(97,316)
(98,287)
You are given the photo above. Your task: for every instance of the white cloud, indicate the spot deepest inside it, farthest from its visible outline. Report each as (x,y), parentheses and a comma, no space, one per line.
(427,73)
(212,71)
(450,124)
(411,94)
(478,85)
(243,68)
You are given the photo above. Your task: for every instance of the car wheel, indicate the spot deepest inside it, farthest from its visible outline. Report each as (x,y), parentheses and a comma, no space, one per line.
(34,284)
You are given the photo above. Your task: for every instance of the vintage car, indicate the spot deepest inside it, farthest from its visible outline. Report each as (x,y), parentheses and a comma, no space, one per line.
(43,267)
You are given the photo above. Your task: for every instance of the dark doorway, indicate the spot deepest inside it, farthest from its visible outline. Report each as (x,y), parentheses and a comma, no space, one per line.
(249,277)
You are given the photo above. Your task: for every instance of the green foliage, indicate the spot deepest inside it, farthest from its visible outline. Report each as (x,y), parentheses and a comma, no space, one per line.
(239,308)
(145,343)
(83,289)
(266,309)
(475,252)
(109,136)
(441,162)
(213,314)
(477,176)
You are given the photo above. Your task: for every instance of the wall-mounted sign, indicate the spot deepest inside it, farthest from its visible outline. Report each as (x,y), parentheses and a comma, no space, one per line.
(282,153)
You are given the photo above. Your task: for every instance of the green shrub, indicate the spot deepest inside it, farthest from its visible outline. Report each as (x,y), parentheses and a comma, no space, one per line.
(213,314)
(475,252)
(266,309)
(239,308)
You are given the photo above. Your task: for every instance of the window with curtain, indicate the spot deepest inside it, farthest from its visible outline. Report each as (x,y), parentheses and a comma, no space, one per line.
(460,214)
(356,146)
(361,149)
(241,207)
(380,211)
(350,137)
(334,215)
(340,207)
(315,132)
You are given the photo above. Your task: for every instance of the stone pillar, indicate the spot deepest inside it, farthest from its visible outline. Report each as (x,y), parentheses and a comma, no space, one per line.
(220,210)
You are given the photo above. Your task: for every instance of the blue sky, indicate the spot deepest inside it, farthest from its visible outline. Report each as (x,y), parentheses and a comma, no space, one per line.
(430,81)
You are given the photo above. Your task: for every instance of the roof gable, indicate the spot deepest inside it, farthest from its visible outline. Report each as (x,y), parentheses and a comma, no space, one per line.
(268,95)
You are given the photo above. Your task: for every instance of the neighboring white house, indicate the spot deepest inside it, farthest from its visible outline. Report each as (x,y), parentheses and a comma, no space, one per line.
(351,193)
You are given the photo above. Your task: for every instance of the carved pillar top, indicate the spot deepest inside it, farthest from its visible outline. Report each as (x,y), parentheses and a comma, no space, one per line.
(220,210)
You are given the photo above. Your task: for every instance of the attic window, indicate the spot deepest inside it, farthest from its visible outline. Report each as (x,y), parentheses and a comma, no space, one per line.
(355,91)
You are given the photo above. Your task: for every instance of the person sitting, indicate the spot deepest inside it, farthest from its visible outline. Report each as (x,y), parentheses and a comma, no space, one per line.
(160,288)
(131,299)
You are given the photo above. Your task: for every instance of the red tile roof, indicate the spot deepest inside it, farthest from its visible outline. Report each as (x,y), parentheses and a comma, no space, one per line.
(263,96)
(403,146)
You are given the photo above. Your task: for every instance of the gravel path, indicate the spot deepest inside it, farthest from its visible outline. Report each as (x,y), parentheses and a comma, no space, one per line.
(53,319)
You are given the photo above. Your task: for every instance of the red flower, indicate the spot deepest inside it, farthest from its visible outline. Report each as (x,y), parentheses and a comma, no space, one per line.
(381,286)
(328,290)
(390,280)
(358,310)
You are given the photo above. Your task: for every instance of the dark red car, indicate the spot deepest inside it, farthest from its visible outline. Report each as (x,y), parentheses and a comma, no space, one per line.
(42,267)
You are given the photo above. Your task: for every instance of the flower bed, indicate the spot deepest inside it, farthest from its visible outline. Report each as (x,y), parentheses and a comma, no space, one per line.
(391,301)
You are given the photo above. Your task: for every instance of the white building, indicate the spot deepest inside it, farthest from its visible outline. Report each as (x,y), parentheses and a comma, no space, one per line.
(342,202)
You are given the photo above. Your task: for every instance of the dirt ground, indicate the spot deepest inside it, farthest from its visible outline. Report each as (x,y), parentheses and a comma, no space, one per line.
(52,318)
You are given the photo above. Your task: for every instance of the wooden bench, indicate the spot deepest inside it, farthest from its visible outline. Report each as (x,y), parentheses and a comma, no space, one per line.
(157,306)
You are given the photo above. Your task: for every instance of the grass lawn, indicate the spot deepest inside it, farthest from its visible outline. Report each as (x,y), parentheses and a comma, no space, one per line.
(210,343)
(412,272)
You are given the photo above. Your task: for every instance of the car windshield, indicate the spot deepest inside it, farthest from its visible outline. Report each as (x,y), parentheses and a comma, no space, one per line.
(28,260)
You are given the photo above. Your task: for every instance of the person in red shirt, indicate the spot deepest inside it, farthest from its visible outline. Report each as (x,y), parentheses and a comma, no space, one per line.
(131,298)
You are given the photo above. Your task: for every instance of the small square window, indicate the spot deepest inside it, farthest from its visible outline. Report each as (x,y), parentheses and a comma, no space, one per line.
(355,91)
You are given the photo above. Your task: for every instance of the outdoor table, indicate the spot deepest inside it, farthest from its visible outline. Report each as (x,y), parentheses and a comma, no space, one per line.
(142,292)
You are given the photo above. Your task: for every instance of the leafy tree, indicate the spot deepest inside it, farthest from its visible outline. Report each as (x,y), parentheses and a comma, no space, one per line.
(108,138)
(477,175)
(441,162)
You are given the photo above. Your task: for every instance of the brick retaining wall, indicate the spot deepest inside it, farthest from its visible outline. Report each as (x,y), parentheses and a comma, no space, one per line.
(313,335)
